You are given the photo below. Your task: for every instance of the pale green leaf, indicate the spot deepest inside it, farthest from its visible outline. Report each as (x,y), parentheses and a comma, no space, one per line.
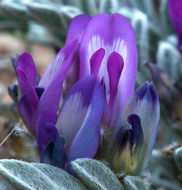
(33,176)
(134,183)
(96,175)
(178,158)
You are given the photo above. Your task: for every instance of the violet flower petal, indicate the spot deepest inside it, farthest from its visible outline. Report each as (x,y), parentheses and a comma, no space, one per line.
(27,108)
(28,103)
(112,33)
(59,157)
(54,153)
(75,31)
(26,64)
(86,141)
(74,113)
(115,66)
(26,87)
(137,133)
(51,96)
(96,60)
(77,27)
(46,120)
(128,142)
(62,59)
(144,103)
(74,109)
(28,113)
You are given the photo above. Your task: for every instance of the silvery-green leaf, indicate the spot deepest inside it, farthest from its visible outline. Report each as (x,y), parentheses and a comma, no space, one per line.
(39,34)
(147,36)
(67,13)
(4,185)
(161,163)
(90,7)
(164,18)
(79,4)
(109,6)
(45,13)
(169,59)
(140,22)
(134,183)
(30,176)
(14,8)
(141,26)
(96,175)
(147,7)
(178,158)
(163,171)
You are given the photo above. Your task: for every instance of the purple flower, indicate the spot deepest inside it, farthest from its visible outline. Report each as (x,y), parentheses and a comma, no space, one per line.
(74,133)
(135,133)
(175,14)
(108,51)
(75,32)
(36,97)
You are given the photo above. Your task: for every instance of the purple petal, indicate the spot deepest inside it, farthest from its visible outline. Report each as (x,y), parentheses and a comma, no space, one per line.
(114,66)
(86,141)
(175,14)
(28,104)
(75,111)
(95,61)
(62,59)
(145,104)
(50,144)
(59,157)
(75,32)
(114,34)
(124,152)
(77,27)
(13,93)
(27,108)
(26,65)
(24,82)
(45,131)
(51,96)
(137,133)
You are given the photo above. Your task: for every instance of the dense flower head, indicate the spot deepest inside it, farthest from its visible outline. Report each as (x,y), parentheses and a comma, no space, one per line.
(94,74)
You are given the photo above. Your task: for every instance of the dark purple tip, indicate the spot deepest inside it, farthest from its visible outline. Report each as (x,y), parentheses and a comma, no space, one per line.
(137,132)
(13,93)
(132,135)
(14,60)
(147,91)
(39,91)
(54,153)
(180,43)
(123,137)
(153,94)
(71,171)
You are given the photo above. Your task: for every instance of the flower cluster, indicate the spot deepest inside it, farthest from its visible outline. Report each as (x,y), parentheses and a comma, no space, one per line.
(96,71)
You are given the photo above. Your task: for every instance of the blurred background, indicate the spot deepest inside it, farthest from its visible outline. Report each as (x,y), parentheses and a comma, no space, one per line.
(40,27)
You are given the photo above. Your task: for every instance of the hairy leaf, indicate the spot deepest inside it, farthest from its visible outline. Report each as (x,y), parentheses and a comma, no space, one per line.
(30,176)
(96,175)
